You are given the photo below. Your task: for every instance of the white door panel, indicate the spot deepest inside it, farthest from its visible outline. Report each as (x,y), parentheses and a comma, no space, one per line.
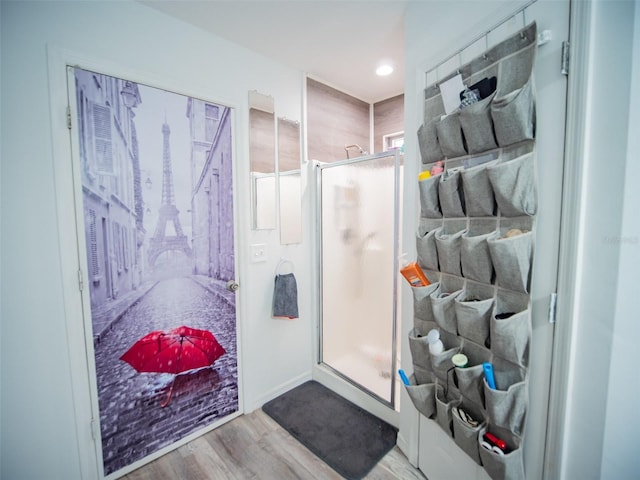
(439,457)
(155,229)
(551,93)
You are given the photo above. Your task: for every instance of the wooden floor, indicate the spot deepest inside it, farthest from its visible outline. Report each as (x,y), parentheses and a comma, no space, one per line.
(254,446)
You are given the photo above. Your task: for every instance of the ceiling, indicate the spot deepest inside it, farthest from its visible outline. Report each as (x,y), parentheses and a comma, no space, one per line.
(338,42)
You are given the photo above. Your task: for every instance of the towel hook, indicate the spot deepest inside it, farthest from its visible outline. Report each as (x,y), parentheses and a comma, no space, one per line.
(283,261)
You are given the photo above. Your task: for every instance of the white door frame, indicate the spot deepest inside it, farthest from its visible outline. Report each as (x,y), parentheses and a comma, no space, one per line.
(583,114)
(579,30)
(322,372)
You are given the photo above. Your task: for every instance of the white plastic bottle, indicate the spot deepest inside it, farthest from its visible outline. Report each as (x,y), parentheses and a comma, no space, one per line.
(435,344)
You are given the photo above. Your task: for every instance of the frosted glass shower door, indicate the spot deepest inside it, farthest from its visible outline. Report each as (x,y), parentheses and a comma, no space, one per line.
(358,235)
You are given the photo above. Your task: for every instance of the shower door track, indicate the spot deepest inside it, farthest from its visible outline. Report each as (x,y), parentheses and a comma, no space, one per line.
(319,257)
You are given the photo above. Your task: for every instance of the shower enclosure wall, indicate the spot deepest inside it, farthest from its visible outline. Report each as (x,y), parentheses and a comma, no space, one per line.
(358,227)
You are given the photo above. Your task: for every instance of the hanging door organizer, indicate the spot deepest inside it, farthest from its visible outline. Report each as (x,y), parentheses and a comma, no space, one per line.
(475,243)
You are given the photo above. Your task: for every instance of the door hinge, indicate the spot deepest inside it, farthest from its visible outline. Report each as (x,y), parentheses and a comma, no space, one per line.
(69,117)
(564,63)
(80,280)
(552,307)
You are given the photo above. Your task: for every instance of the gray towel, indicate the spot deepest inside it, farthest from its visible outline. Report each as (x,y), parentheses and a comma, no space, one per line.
(285,296)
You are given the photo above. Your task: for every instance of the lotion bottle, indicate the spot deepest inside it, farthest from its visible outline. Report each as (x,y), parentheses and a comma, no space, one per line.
(414,274)
(435,344)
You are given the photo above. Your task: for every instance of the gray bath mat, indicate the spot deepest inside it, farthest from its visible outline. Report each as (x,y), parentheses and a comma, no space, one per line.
(346,437)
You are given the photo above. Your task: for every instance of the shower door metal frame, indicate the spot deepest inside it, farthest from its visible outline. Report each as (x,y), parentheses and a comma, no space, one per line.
(319,167)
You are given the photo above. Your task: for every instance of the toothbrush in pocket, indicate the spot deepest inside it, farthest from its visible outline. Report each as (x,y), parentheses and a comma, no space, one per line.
(488,375)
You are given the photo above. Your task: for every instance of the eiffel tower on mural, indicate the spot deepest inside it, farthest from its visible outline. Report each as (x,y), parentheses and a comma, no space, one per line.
(161,242)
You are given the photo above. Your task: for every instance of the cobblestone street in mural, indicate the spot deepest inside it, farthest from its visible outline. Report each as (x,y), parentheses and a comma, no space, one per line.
(132,420)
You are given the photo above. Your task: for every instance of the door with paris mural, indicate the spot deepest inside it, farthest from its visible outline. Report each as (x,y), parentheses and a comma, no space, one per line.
(156,214)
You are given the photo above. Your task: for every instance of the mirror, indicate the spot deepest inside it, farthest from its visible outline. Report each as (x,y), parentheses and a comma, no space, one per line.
(262,161)
(289,181)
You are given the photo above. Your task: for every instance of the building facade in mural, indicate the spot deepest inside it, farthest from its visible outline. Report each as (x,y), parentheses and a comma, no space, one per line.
(212,176)
(110,183)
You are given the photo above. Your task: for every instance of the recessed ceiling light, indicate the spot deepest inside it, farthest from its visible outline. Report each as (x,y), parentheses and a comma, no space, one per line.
(384,69)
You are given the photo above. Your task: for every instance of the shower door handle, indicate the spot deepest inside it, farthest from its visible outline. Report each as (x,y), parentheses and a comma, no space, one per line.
(232,285)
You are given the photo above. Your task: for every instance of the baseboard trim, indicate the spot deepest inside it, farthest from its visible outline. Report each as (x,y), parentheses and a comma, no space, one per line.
(276,391)
(409,452)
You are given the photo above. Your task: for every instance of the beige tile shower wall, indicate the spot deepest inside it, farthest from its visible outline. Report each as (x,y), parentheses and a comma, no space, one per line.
(334,120)
(388,118)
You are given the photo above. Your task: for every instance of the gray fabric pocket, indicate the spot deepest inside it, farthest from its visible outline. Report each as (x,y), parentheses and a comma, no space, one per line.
(432,275)
(443,409)
(422,327)
(509,466)
(507,408)
(450,136)
(443,366)
(514,115)
(429,201)
(426,249)
(470,383)
(513,107)
(422,375)
(420,358)
(511,259)
(422,396)
(444,310)
(451,194)
(472,318)
(478,194)
(507,373)
(510,328)
(476,354)
(422,301)
(470,379)
(477,125)
(430,150)
(513,184)
(448,249)
(466,436)
(475,259)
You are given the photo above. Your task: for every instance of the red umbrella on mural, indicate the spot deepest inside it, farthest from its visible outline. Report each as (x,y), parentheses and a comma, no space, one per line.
(174,351)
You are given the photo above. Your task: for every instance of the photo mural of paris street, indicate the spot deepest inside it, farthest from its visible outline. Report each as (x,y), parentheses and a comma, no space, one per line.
(158,211)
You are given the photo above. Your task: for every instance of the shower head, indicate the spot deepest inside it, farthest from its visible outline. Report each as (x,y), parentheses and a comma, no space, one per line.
(355,145)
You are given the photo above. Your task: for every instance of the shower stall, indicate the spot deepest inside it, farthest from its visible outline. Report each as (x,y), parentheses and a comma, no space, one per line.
(358,236)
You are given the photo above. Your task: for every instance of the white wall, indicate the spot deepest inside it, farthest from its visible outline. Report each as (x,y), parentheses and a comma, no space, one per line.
(620,457)
(38,431)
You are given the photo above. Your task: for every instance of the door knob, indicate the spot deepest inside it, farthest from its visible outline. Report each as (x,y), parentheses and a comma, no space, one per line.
(232,286)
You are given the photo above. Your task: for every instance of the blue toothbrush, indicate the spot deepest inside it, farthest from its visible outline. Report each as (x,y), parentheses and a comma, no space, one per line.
(404,378)
(488,375)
